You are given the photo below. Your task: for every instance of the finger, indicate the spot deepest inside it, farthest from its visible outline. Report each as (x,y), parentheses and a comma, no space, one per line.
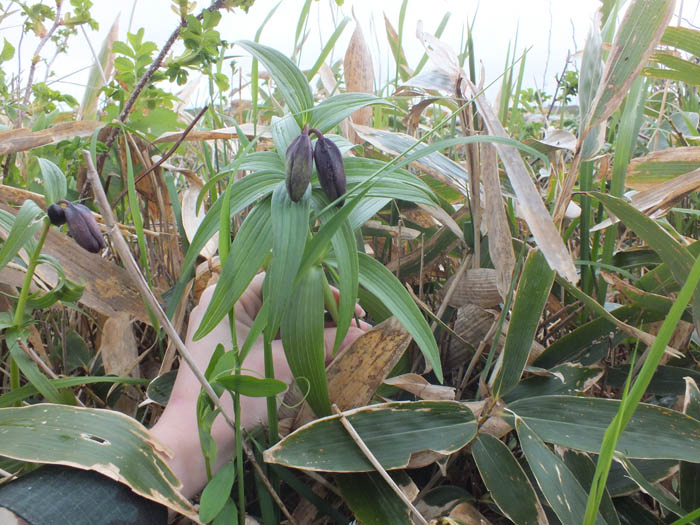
(358,309)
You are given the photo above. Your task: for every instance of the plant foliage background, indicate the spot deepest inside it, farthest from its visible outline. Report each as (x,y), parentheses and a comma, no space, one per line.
(530,264)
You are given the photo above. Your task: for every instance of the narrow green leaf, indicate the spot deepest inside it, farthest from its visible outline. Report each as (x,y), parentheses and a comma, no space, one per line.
(371,499)
(23,227)
(303,340)
(251,386)
(248,252)
(507,482)
(217,492)
(531,297)
(561,488)
(583,469)
(289,79)
(54,181)
(328,47)
(392,431)
(383,284)
(654,432)
(31,371)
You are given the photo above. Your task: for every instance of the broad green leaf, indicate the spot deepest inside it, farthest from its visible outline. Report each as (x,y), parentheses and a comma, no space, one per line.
(655,470)
(564,493)
(303,340)
(634,513)
(216,493)
(31,371)
(228,514)
(331,111)
(392,431)
(655,491)
(675,68)
(106,441)
(289,80)
(26,224)
(690,472)
(507,482)
(246,256)
(579,422)
(533,290)
(54,181)
(290,228)
(684,38)
(371,499)
(566,379)
(667,380)
(383,284)
(637,36)
(284,130)
(251,386)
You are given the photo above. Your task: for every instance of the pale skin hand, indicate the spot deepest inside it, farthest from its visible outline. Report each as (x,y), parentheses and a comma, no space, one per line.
(177,427)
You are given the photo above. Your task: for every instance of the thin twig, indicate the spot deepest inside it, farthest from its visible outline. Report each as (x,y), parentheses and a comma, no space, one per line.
(375,463)
(134,272)
(167,154)
(216,5)
(451,291)
(36,58)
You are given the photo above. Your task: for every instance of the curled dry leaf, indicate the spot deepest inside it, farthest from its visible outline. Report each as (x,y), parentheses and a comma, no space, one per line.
(23,139)
(359,74)
(419,387)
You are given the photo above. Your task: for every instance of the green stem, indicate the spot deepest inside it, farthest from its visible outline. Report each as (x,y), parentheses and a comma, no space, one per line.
(271,400)
(329,299)
(18,319)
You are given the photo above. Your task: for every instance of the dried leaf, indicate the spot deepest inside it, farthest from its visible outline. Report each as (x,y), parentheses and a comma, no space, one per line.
(24,139)
(647,172)
(359,73)
(419,387)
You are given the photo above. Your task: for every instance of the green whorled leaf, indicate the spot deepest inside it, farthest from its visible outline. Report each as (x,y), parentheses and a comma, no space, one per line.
(106,441)
(579,422)
(366,210)
(25,224)
(403,184)
(31,371)
(383,284)
(26,391)
(564,493)
(371,499)
(247,254)
(303,340)
(583,469)
(251,386)
(533,290)
(243,193)
(284,130)
(333,110)
(345,251)
(290,81)
(506,481)
(216,493)
(655,491)
(667,380)
(392,431)
(290,227)
(690,472)
(676,256)
(563,379)
(637,36)
(268,161)
(655,470)
(54,181)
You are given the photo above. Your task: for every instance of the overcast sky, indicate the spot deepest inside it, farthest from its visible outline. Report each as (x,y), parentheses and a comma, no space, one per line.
(552,29)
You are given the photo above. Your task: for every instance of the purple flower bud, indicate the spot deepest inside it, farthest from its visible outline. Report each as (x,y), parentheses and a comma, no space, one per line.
(56,214)
(330,168)
(299,165)
(83,227)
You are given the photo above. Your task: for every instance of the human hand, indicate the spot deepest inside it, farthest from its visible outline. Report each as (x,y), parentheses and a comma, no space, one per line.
(177,427)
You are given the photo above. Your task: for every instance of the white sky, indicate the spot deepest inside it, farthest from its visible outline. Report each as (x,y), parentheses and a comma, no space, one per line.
(553,29)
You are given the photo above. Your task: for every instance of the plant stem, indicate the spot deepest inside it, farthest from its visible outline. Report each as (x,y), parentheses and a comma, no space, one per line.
(329,299)
(18,319)
(271,400)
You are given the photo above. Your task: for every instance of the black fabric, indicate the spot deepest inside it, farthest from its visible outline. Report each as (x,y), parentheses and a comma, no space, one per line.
(58,495)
